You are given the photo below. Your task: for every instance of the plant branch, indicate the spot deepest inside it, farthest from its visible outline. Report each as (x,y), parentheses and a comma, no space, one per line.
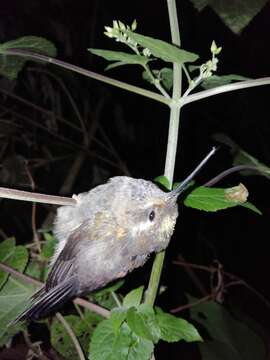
(35,197)
(152,289)
(71,335)
(223,89)
(88,73)
(82,302)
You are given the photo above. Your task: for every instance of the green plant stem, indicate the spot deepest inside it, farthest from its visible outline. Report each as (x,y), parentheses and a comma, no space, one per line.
(152,289)
(88,73)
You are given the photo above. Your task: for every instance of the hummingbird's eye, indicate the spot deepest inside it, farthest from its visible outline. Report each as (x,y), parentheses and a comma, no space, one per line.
(152,215)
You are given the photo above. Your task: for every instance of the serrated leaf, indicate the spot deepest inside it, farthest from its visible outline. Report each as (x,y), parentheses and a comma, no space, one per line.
(208,199)
(107,345)
(121,58)
(13,256)
(175,329)
(239,339)
(163,50)
(133,298)
(11,65)
(125,345)
(142,321)
(237,14)
(163,181)
(118,316)
(14,297)
(219,80)
(140,349)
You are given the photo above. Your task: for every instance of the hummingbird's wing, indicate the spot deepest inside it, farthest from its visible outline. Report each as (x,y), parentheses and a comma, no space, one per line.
(62,283)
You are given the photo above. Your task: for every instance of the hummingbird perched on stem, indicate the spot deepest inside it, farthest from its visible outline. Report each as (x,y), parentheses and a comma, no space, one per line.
(111,230)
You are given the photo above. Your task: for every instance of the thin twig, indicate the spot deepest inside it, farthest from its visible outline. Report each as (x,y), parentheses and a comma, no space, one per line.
(88,73)
(35,197)
(34,209)
(71,335)
(188,306)
(236,279)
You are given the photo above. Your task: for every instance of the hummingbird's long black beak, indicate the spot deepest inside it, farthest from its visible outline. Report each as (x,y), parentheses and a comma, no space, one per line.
(180,188)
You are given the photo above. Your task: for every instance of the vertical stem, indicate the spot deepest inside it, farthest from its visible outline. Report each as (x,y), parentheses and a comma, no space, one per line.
(171,145)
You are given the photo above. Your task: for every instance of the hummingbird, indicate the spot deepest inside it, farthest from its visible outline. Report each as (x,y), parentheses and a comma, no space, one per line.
(111,230)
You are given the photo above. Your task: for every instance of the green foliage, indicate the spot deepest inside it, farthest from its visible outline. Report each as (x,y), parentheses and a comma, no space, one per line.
(48,247)
(133,298)
(121,58)
(134,338)
(83,329)
(237,14)
(104,296)
(232,339)
(14,297)
(165,75)
(163,50)
(213,199)
(174,329)
(162,180)
(11,65)
(219,80)
(13,256)
(142,321)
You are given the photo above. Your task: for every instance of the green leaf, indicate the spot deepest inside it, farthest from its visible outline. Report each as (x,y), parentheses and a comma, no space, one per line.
(252,207)
(165,75)
(118,316)
(121,58)
(133,298)
(104,296)
(219,80)
(140,349)
(123,345)
(13,256)
(175,329)
(14,297)
(108,345)
(49,246)
(163,181)
(142,321)
(238,339)
(209,199)
(236,15)
(11,65)
(163,50)
(7,248)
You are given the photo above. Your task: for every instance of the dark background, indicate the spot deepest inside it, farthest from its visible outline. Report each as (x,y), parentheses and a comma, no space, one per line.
(137,127)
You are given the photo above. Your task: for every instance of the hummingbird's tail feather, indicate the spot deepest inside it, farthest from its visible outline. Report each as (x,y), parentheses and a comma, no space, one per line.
(45,302)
